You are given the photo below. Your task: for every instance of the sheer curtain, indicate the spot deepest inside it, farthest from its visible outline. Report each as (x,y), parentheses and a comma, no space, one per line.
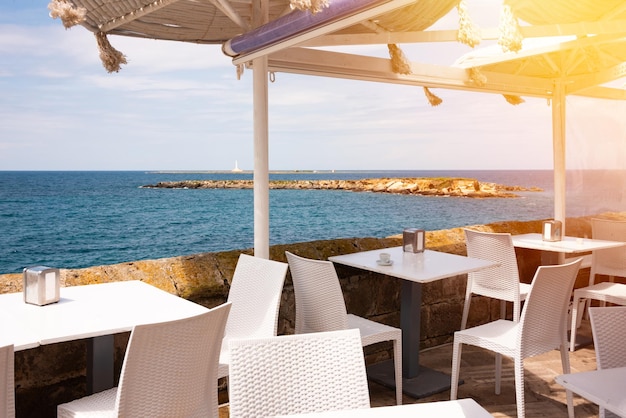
(596,155)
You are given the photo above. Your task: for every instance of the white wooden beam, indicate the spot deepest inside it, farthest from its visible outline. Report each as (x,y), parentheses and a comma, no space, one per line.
(600,92)
(575,84)
(359,67)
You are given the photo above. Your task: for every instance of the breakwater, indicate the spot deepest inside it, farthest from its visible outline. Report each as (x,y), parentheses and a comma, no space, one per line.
(440,186)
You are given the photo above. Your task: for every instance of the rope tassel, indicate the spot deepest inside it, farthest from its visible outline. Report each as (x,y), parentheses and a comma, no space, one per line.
(468,33)
(433,99)
(510,32)
(477,78)
(69,15)
(399,62)
(111,58)
(313,6)
(514,100)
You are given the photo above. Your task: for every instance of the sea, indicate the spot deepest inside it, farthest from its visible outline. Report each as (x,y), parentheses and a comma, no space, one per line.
(76,219)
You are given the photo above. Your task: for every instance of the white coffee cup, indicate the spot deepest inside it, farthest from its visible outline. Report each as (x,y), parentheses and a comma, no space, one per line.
(385,257)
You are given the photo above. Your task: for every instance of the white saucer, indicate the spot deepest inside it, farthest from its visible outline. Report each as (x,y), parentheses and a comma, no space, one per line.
(382,263)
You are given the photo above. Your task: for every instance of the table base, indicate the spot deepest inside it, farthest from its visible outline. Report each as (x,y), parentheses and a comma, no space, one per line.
(427,382)
(581,340)
(100,362)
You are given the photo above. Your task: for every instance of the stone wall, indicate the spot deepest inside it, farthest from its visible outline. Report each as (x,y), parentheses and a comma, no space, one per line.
(52,374)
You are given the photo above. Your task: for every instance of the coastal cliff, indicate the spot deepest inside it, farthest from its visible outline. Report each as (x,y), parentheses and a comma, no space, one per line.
(425,186)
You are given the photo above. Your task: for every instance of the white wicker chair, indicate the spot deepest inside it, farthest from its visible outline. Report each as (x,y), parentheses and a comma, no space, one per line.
(296,374)
(7,382)
(501,282)
(255,293)
(170,370)
(608,326)
(542,328)
(320,307)
(610,262)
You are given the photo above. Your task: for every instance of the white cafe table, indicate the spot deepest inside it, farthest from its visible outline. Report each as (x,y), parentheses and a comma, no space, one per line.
(95,312)
(553,252)
(453,409)
(603,387)
(416,269)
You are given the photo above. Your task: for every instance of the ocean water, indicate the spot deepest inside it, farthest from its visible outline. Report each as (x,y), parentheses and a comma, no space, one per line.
(79,219)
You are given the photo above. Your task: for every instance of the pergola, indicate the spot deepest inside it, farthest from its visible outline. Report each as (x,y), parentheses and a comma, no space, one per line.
(549,49)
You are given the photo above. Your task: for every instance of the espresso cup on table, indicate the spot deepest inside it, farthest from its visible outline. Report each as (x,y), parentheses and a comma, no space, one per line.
(384,257)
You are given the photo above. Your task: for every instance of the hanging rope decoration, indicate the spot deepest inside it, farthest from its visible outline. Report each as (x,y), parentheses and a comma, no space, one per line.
(514,100)
(469,33)
(433,99)
(510,33)
(69,15)
(111,58)
(477,78)
(313,6)
(399,62)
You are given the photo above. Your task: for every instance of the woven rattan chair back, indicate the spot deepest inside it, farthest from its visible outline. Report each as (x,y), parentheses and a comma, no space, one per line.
(170,370)
(500,282)
(608,326)
(320,307)
(255,293)
(542,328)
(611,261)
(319,300)
(297,374)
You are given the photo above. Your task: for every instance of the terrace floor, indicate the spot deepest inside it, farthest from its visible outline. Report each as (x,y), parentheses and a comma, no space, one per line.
(544,397)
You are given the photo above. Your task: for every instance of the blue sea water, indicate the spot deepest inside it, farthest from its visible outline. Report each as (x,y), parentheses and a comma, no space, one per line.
(79,219)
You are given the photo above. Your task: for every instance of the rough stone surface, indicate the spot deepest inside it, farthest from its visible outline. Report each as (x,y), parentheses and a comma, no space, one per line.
(52,374)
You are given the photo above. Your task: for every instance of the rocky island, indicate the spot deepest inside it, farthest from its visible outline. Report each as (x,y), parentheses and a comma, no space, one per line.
(441,186)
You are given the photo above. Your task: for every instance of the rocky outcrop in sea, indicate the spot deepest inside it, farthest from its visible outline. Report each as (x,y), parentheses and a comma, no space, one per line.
(458,187)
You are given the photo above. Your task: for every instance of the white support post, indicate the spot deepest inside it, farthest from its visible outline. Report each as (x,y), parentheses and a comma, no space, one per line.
(558,145)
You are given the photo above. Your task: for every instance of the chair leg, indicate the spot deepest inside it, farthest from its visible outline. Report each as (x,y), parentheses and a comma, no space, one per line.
(456,365)
(397,361)
(519,387)
(572,338)
(498,372)
(466,305)
(566,370)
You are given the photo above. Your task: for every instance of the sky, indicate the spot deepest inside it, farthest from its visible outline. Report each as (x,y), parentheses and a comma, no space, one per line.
(178,106)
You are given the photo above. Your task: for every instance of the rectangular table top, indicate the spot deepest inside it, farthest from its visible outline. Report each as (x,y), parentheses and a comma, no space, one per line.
(567,245)
(89,311)
(603,387)
(455,409)
(417,267)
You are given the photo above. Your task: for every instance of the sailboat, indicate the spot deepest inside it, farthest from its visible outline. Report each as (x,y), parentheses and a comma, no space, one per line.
(236,169)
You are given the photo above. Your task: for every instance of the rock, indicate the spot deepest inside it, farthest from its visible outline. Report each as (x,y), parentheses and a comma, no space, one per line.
(460,187)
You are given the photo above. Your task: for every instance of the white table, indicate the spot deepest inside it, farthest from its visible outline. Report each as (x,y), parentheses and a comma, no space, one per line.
(92,311)
(603,387)
(415,269)
(454,409)
(567,245)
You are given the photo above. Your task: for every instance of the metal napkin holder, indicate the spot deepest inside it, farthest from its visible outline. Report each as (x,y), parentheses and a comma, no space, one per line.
(41,285)
(414,240)
(552,231)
